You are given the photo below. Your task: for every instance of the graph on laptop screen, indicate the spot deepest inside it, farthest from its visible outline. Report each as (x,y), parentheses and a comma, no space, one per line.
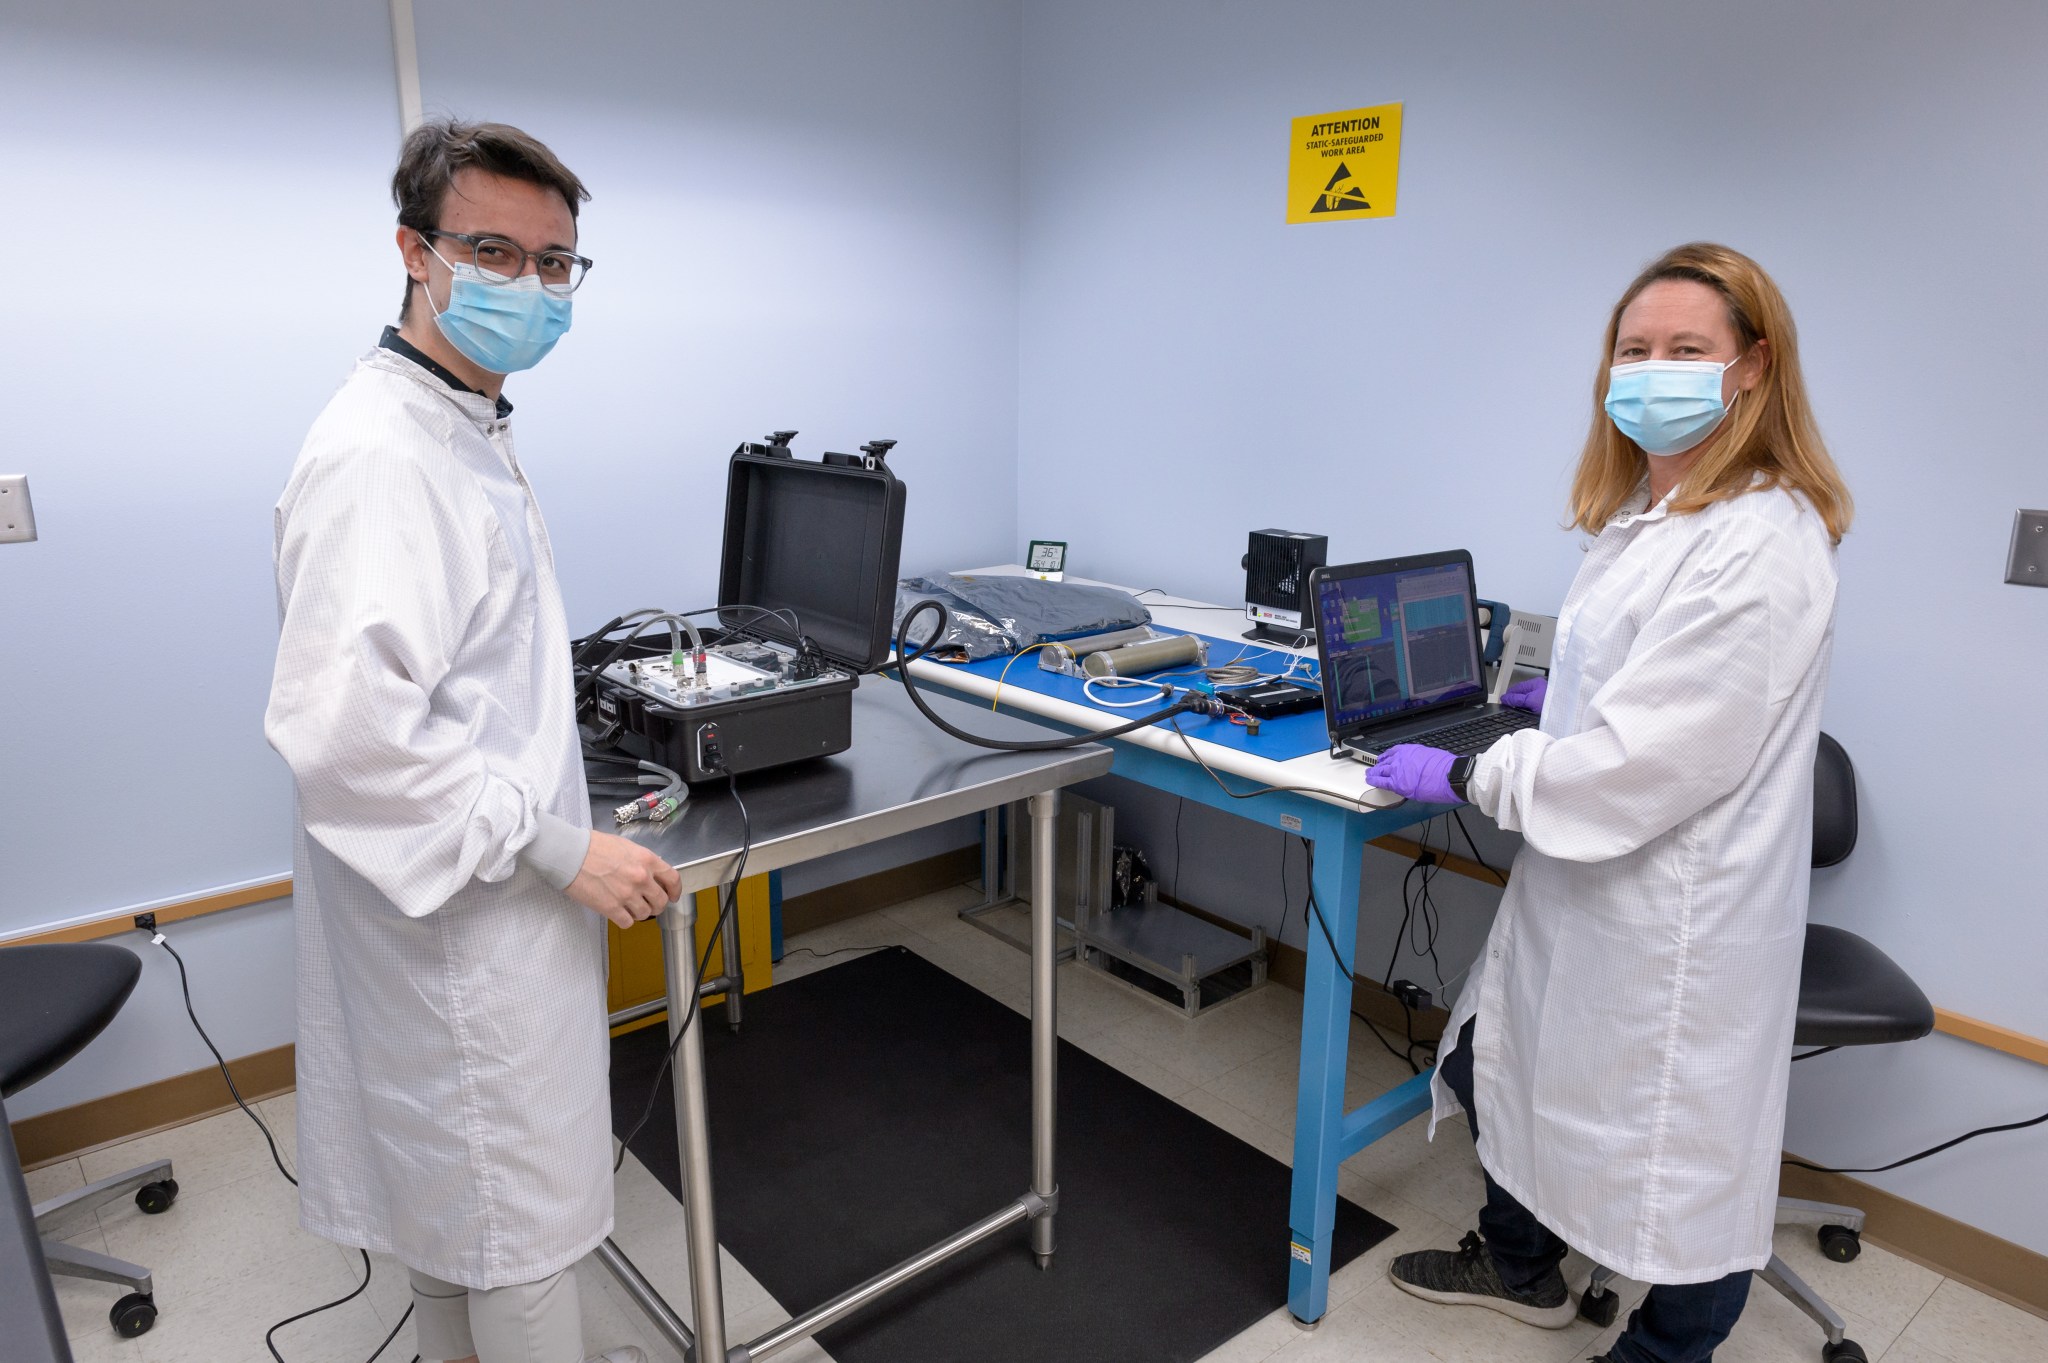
(1399,641)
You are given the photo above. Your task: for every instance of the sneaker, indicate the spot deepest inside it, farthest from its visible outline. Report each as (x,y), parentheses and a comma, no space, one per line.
(1466,1277)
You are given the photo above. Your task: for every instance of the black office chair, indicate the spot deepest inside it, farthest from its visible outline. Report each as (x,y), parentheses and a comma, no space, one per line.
(1850,994)
(53,1001)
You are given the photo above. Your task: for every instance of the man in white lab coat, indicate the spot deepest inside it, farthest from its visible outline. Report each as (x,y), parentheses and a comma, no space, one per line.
(454,1106)
(1623,1045)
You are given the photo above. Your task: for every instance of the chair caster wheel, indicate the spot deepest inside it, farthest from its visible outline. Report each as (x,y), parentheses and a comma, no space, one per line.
(1848,1351)
(156,1198)
(133,1315)
(1599,1305)
(1840,1243)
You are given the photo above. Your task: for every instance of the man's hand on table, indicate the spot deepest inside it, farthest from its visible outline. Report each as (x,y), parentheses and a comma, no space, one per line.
(623,880)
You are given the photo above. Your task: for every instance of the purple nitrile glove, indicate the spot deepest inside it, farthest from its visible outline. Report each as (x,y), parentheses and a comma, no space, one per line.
(1527,694)
(1415,772)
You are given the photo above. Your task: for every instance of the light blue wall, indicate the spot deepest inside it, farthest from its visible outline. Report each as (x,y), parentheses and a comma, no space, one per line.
(804,215)
(199,187)
(1068,277)
(1192,368)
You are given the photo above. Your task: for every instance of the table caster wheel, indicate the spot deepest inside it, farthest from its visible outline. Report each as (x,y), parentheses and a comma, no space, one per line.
(1848,1351)
(1840,1243)
(133,1315)
(156,1198)
(1599,1305)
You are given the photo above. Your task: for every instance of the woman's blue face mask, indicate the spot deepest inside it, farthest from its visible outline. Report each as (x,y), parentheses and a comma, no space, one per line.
(501,325)
(1667,406)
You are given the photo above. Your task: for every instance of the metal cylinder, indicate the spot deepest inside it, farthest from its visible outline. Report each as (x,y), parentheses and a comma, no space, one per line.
(693,1133)
(1045,810)
(664,1318)
(1136,659)
(846,1303)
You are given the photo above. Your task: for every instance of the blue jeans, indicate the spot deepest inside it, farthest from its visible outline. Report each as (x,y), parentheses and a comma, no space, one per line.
(1677,1323)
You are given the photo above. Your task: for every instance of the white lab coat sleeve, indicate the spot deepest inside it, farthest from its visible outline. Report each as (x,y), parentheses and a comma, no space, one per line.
(557,850)
(380,569)
(1681,722)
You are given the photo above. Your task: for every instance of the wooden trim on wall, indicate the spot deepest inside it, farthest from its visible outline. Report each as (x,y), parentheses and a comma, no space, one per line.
(1450,861)
(196,907)
(1992,1035)
(1956,1249)
(153,1107)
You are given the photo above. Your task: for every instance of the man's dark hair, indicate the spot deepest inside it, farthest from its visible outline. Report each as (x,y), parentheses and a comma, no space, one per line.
(436,150)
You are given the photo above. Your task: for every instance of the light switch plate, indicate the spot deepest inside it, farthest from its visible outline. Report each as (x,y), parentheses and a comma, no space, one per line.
(2026,565)
(17,514)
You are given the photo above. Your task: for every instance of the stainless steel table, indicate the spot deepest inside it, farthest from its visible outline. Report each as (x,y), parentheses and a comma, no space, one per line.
(901,774)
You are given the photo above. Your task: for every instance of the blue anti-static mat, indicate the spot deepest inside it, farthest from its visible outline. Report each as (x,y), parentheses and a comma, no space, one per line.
(1282,739)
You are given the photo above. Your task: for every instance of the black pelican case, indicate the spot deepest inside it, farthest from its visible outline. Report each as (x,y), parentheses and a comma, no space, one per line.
(820,540)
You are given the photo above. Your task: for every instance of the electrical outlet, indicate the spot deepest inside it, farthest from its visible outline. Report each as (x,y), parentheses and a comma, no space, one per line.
(17,514)
(2026,565)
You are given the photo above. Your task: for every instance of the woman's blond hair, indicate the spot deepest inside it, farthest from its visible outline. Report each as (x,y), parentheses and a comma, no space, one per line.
(1770,432)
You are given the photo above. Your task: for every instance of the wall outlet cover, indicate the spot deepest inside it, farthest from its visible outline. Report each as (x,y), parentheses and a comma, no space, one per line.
(2026,563)
(17,513)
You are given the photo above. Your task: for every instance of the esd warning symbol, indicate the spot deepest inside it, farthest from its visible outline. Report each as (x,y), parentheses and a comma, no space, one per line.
(1341,194)
(1344,164)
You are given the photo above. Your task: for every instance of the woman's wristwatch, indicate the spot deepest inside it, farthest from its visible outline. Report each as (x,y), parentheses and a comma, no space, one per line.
(1459,774)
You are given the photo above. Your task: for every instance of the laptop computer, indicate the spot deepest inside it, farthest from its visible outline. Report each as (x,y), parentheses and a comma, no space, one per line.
(1398,640)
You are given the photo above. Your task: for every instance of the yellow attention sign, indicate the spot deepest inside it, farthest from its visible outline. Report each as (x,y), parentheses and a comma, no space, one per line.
(1344,165)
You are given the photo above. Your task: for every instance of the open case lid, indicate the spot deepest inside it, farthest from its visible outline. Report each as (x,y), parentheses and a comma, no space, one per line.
(820,540)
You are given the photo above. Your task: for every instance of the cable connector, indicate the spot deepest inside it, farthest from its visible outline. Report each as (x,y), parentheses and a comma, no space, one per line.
(1413,996)
(651,808)
(145,922)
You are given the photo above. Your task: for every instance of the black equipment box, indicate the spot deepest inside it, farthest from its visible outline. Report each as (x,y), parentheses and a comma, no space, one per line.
(1276,568)
(1268,700)
(807,595)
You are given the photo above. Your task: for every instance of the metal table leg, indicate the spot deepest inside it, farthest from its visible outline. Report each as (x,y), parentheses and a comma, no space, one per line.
(659,1312)
(708,1342)
(693,1135)
(1044,1013)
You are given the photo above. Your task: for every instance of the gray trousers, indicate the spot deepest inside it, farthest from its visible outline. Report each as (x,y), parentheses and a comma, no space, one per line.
(526,1323)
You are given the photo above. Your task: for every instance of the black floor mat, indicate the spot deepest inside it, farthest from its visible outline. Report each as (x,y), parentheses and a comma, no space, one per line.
(871,1109)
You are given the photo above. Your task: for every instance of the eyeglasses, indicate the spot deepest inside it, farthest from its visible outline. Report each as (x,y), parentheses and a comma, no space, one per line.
(561,272)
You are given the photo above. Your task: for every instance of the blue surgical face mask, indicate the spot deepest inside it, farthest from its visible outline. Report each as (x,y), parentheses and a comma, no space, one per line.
(1667,406)
(502,325)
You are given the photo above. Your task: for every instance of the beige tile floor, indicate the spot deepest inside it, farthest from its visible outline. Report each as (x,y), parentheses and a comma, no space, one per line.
(230,1259)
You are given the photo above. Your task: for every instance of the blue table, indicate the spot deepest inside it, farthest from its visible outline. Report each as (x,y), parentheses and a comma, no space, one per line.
(1325,1135)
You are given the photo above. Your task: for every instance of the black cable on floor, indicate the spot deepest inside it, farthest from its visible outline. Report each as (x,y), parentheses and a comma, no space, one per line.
(185,988)
(841,951)
(1932,1150)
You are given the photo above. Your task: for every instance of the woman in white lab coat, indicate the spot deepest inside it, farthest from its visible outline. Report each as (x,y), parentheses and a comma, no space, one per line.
(1622,1048)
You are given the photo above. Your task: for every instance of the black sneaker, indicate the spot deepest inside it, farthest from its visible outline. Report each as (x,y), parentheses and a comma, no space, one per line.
(1466,1277)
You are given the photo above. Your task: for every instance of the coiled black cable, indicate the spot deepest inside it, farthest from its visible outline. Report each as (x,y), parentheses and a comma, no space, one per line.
(904,658)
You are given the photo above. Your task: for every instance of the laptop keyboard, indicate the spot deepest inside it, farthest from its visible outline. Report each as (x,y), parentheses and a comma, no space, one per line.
(1475,736)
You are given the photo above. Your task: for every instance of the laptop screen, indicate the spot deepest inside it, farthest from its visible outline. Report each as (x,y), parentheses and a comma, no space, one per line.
(1398,642)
